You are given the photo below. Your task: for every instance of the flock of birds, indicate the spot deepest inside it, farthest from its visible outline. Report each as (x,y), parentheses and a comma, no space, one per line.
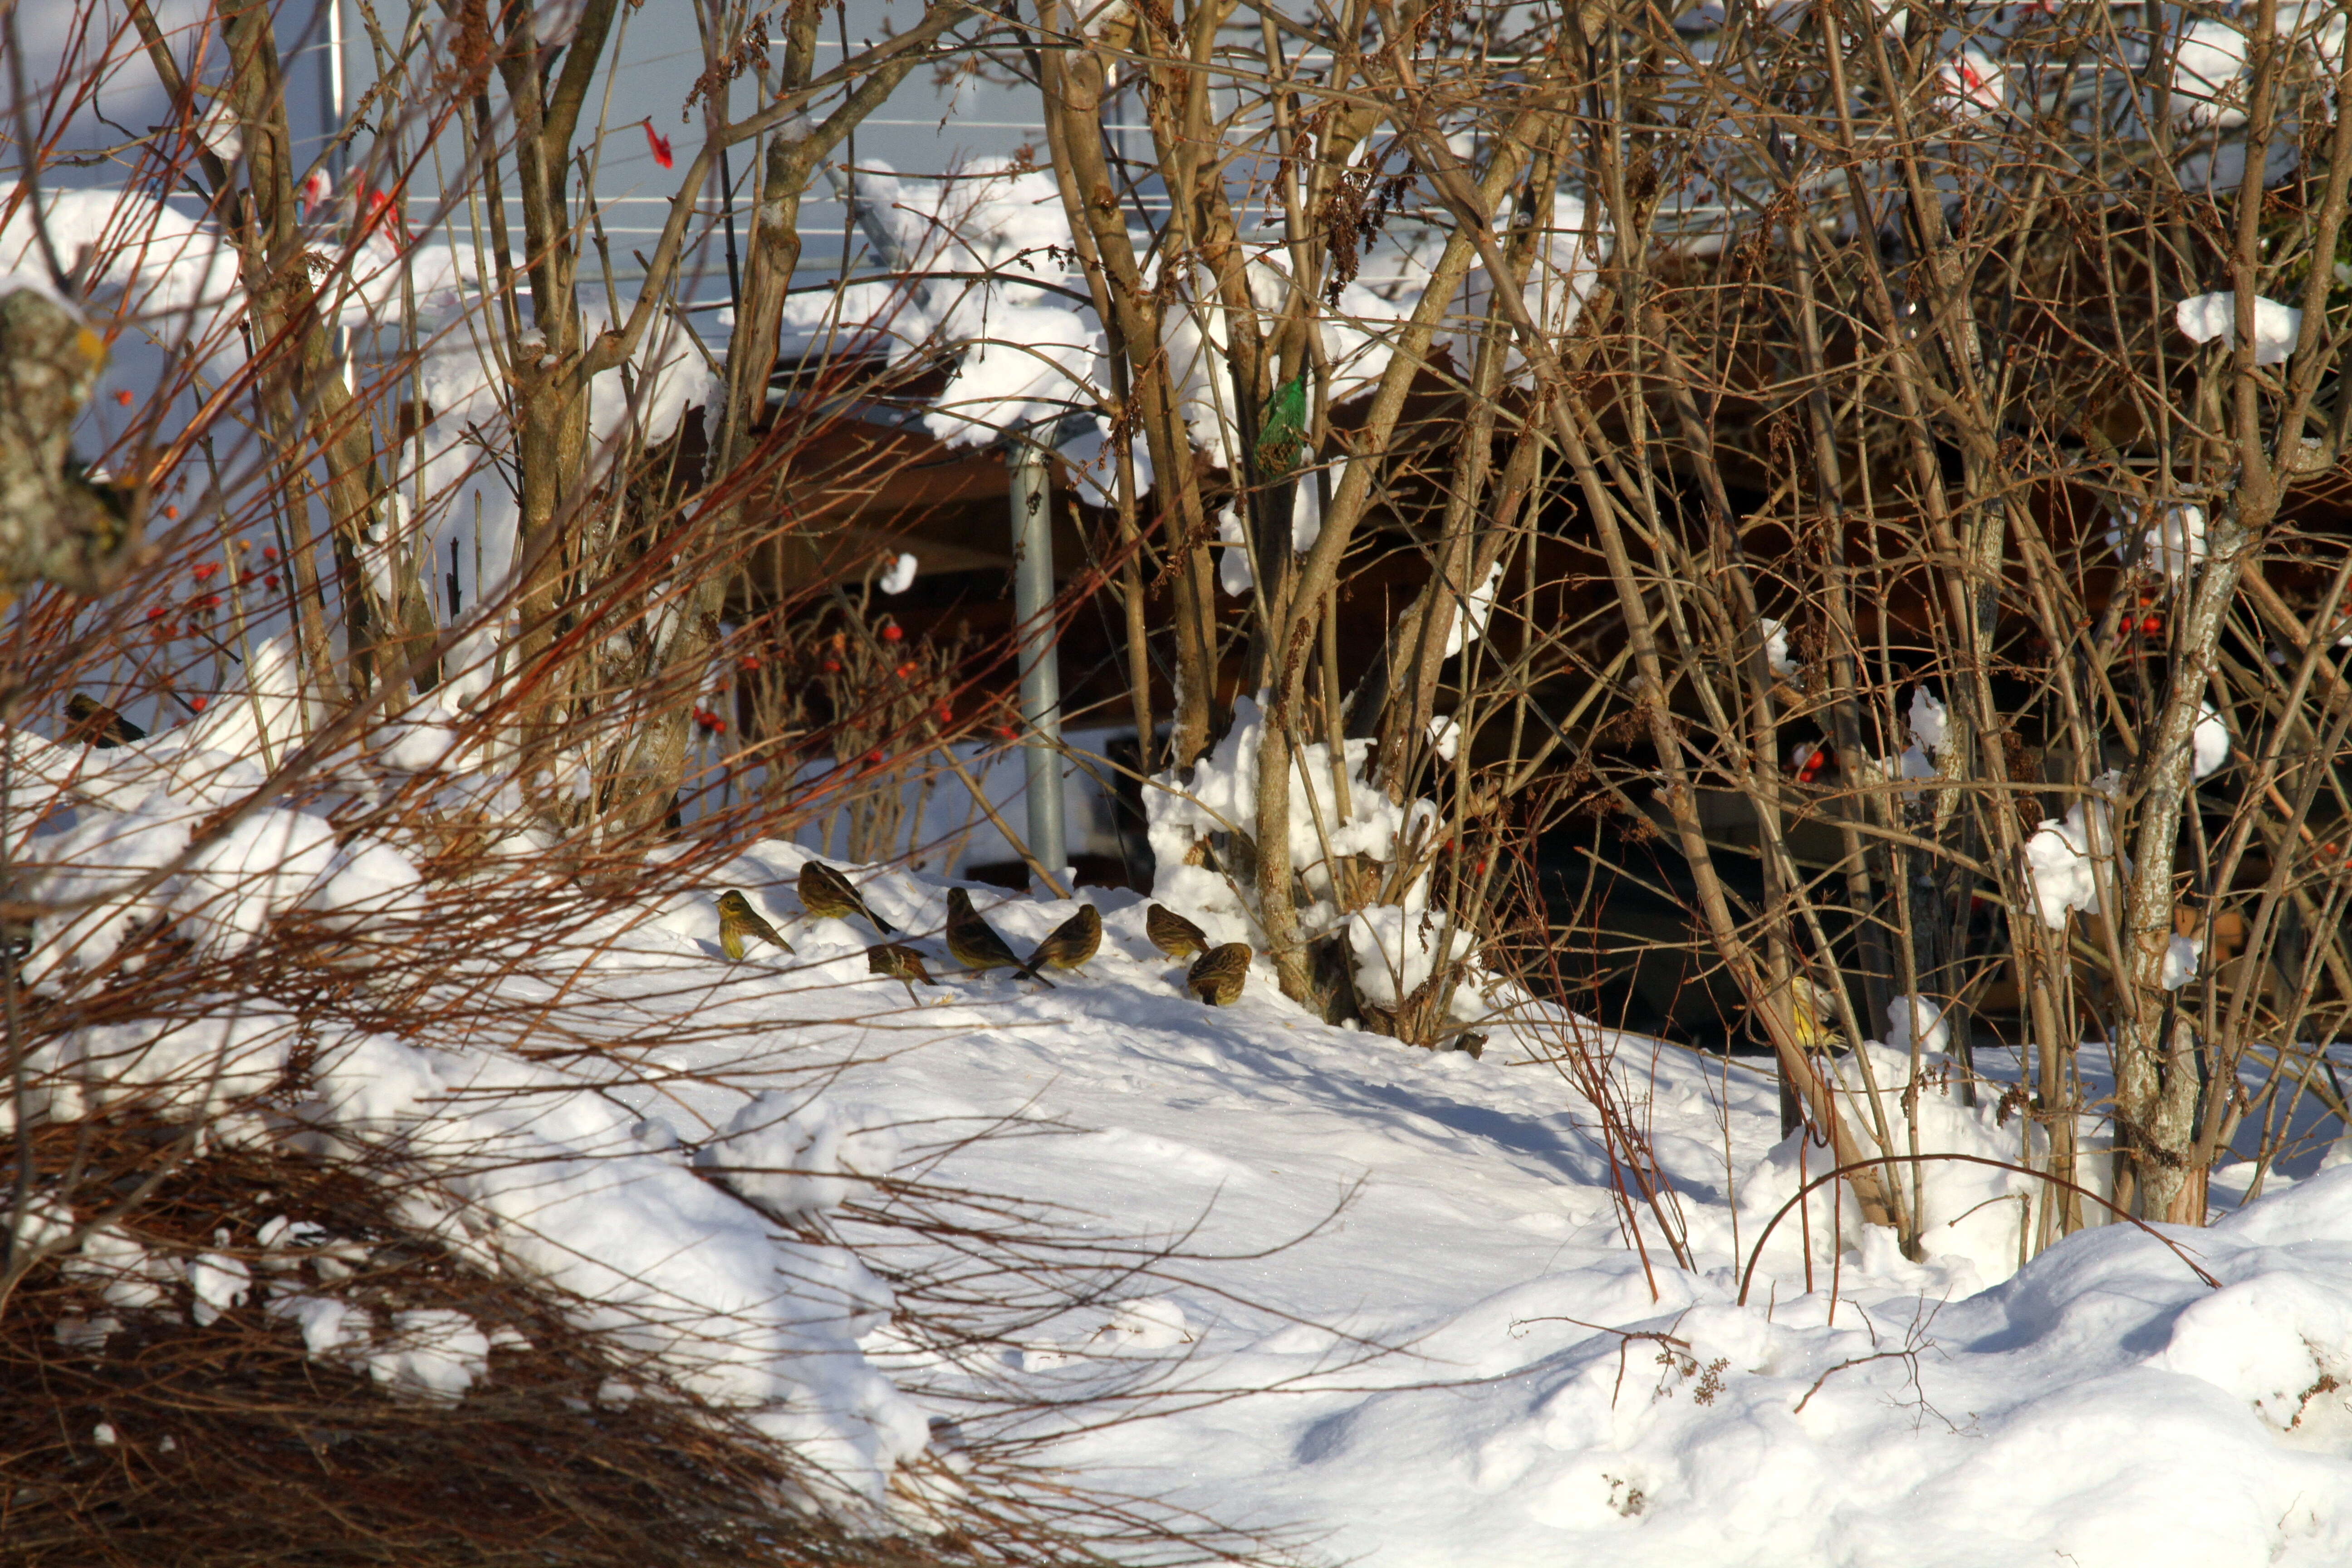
(1216,976)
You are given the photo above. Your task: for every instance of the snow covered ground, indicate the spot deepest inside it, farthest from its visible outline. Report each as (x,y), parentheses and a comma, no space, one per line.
(1399,1321)
(1417,1259)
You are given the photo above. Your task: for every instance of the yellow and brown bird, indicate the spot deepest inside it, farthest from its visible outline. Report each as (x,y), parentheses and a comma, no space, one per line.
(903,965)
(1218,975)
(1072,943)
(825,892)
(975,943)
(1812,1012)
(1173,934)
(93,723)
(737,920)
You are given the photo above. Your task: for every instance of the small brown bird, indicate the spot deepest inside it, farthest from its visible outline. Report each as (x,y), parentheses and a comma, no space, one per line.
(737,920)
(903,965)
(826,892)
(975,943)
(1217,977)
(96,724)
(1072,943)
(1173,934)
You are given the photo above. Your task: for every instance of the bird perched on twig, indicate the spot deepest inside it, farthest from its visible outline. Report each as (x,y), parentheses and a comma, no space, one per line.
(902,964)
(96,724)
(1812,1011)
(826,892)
(1217,977)
(737,920)
(1072,943)
(1173,934)
(975,943)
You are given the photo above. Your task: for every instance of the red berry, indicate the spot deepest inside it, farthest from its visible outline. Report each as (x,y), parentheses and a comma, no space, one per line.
(269,552)
(155,611)
(905,670)
(198,702)
(832,667)
(718,724)
(208,572)
(891,633)
(875,757)
(171,511)
(123,398)
(271,581)
(750,662)
(2152,626)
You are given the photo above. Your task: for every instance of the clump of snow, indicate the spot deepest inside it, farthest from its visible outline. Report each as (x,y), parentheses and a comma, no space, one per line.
(106,871)
(2209,69)
(901,575)
(2173,546)
(1306,505)
(184,1070)
(1234,571)
(793,1155)
(2205,316)
(432,1354)
(2059,860)
(367,881)
(1775,648)
(2182,955)
(1031,350)
(1931,727)
(218,130)
(2210,741)
(329,1325)
(1560,278)
(1915,1018)
(1444,737)
(2317,23)
(1396,947)
(1220,797)
(538,1175)
(2273,1342)
(148,259)
(126,1274)
(219,1282)
(1469,622)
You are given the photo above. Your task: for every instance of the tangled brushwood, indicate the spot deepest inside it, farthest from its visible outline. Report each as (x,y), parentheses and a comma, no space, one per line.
(263,1361)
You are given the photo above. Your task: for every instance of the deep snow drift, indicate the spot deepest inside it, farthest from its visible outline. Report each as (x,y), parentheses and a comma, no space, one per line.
(2102,1405)
(1404,1323)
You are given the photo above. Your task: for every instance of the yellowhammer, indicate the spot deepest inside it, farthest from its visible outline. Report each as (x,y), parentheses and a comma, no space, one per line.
(975,943)
(903,965)
(737,920)
(1218,975)
(1072,943)
(826,892)
(1173,934)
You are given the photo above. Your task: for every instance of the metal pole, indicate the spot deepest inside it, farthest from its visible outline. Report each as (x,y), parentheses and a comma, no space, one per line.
(1040,659)
(334,105)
